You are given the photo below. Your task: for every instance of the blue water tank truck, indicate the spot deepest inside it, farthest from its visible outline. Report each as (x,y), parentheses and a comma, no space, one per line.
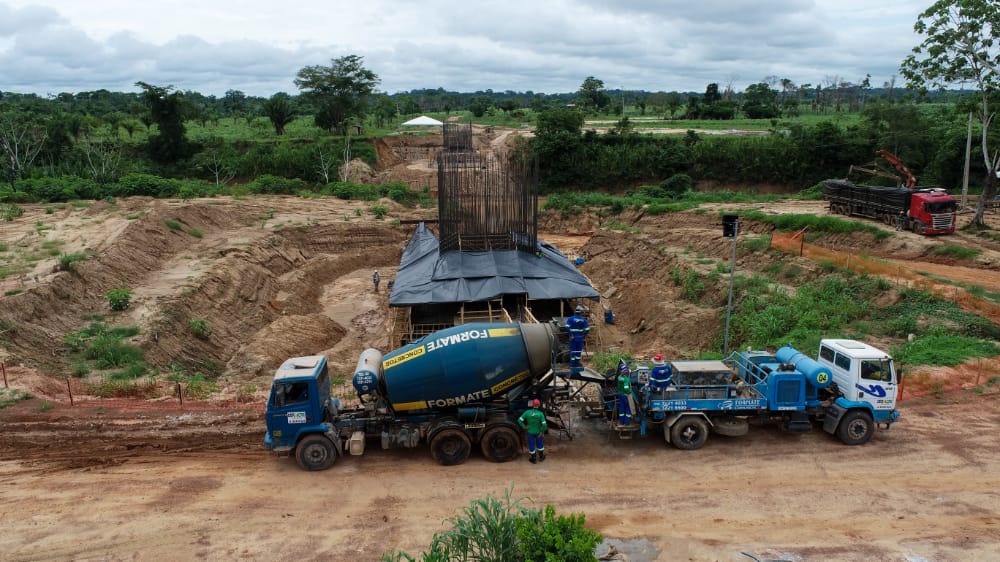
(452,389)
(850,387)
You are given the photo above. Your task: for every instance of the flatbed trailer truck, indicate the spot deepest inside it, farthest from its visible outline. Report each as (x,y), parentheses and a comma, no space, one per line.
(850,389)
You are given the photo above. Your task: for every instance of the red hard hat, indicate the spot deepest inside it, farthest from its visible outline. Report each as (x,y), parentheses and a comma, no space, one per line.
(536,403)
(658,357)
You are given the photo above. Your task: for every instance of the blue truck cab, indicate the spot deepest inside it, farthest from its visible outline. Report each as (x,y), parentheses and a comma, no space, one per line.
(296,413)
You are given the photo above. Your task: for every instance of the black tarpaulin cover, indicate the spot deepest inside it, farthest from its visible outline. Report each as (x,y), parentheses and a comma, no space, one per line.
(426,276)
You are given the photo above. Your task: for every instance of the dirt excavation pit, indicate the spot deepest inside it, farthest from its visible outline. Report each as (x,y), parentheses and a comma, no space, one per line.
(279,276)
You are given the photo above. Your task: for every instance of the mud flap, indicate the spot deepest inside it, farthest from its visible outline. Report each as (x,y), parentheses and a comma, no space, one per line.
(832,418)
(335,439)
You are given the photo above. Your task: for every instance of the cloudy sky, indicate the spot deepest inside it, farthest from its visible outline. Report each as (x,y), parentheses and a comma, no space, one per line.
(210,46)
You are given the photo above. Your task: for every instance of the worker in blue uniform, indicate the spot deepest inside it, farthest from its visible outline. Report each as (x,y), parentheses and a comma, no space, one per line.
(661,375)
(578,328)
(625,404)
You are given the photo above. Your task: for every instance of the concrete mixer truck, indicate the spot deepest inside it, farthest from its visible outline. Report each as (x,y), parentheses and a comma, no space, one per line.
(453,389)
(850,387)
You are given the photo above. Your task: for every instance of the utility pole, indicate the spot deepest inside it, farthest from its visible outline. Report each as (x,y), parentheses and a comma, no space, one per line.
(730,228)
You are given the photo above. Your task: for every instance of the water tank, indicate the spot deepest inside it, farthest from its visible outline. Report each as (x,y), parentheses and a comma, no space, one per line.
(818,375)
(366,374)
(465,364)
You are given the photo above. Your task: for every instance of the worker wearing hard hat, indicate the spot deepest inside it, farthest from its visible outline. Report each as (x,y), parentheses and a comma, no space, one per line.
(578,328)
(660,376)
(533,421)
(626,405)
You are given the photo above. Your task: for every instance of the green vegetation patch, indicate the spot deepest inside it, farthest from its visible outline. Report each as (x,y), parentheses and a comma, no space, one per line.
(957,252)
(11,396)
(767,315)
(101,347)
(940,348)
(195,386)
(502,529)
(67,262)
(826,224)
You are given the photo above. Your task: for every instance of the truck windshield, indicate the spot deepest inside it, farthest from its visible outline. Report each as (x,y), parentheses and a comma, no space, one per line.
(877,370)
(289,393)
(940,207)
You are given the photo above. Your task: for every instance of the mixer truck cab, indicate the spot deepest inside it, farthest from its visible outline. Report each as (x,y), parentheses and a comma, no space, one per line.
(867,383)
(296,412)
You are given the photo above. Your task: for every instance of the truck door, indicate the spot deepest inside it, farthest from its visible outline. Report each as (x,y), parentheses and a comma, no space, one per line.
(877,384)
(287,410)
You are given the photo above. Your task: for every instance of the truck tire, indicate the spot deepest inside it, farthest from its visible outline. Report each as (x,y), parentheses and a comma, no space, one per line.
(856,427)
(450,447)
(500,444)
(689,433)
(315,452)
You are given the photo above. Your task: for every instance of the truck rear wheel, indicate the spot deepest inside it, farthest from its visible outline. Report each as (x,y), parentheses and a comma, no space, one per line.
(856,428)
(450,447)
(315,452)
(689,433)
(500,444)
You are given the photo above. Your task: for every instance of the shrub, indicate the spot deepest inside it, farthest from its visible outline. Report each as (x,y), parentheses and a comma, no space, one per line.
(195,232)
(10,211)
(756,243)
(676,186)
(200,328)
(173,224)
(67,262)
(494,530)
(120,298)
(547,536)
(9,396)
(246,393)
(145,184)
(693,286)
(110,352)
(275,185)
(198,387)
(379,211)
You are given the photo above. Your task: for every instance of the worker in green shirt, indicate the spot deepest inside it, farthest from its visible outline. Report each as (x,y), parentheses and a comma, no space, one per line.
(625,404)
(533,421)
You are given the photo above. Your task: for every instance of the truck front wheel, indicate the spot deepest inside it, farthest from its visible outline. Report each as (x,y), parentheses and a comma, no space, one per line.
(856,428)
(450,447)
(689,433)
(315,452)
(500,444)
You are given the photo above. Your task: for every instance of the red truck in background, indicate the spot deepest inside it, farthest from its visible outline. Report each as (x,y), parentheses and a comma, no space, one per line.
(927,211)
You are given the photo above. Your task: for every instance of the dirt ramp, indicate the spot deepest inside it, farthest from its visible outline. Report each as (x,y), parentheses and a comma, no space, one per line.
(288,336)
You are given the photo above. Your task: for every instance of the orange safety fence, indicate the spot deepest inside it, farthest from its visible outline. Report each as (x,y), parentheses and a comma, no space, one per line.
(897,273)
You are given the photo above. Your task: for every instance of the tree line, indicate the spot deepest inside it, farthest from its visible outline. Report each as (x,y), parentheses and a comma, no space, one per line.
(961,46)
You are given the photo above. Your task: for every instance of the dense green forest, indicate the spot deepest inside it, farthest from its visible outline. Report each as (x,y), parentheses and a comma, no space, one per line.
(164,142)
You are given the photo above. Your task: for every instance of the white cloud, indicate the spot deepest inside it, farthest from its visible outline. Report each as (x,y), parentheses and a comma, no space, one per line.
(48,46)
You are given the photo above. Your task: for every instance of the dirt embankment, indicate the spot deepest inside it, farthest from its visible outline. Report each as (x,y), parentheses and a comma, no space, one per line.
(276,276)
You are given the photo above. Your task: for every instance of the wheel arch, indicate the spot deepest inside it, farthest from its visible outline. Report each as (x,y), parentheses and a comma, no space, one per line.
(672,420)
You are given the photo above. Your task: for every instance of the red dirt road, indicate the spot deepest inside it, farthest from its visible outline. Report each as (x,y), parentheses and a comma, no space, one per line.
(84,484)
